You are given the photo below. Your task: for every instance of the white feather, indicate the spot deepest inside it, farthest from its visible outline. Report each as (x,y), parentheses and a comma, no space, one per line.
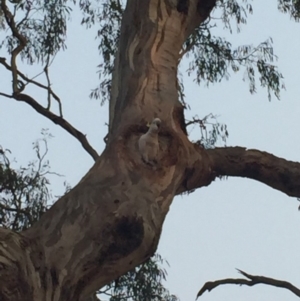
(148,143)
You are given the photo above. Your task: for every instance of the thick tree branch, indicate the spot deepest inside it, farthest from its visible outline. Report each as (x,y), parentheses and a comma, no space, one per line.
(276,172)
(60,121)
(208,286)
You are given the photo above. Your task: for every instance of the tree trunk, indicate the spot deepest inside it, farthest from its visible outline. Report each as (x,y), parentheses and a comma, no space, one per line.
(112,220)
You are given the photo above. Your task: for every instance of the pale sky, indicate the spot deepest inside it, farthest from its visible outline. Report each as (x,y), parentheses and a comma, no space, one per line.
(235,223)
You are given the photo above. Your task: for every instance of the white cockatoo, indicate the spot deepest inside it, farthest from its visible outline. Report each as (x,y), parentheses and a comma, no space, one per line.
(148,143)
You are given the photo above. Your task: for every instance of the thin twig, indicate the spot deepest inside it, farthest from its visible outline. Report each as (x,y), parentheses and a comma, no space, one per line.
(185,50)
(6,95)
(49,90)
(49,84)
(28,7)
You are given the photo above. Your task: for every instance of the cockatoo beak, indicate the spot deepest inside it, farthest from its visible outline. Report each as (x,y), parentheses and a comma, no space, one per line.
(148,124)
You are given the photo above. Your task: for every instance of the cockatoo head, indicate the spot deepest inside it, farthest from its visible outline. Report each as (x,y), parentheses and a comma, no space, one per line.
(154,125)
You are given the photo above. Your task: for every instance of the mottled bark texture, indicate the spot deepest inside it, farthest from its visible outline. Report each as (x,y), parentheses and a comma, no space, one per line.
(276,172)
(112,220)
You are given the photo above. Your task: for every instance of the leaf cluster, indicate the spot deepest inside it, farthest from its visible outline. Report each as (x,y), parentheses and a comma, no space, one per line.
(213,58)
(43,24)
(291,7)
(232,11)
(25,192)
(142,283)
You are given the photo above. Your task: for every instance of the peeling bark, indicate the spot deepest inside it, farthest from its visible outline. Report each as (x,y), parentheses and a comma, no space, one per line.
(111,221)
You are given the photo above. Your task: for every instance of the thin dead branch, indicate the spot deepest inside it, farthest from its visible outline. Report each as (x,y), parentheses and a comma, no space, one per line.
(253,280)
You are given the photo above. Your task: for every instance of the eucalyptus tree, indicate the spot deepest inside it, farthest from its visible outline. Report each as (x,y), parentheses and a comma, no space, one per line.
(111,221)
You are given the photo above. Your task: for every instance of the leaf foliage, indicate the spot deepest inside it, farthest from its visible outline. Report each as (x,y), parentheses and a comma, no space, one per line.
(25,193)
(142,283)
(43,23)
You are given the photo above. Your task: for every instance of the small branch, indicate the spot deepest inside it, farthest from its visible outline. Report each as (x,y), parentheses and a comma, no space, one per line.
(7,208)
(208,286)
(49,90)
(6,95)
(202,121)
(48,94)
(196,120)
(60,121)
(28,7)
(22,43)
(185,50)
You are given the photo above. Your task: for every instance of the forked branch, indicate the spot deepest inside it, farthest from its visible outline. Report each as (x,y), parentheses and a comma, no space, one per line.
(31,81)
(253,280)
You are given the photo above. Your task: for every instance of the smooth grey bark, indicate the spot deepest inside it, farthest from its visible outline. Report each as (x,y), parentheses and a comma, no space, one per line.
(112,220)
